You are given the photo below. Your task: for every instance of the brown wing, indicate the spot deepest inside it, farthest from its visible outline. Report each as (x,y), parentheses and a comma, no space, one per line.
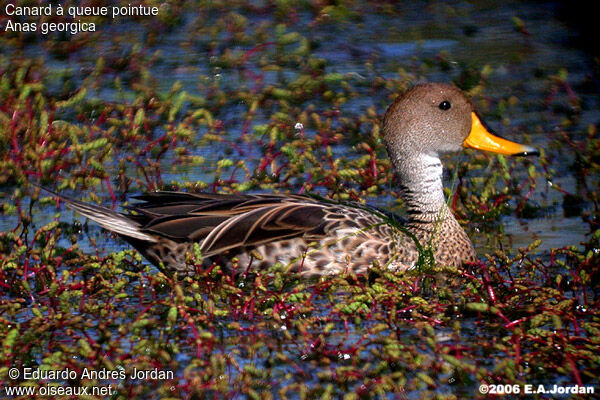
(223,222)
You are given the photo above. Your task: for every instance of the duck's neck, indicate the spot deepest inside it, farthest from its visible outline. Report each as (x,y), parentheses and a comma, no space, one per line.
(429,218)
(421,188)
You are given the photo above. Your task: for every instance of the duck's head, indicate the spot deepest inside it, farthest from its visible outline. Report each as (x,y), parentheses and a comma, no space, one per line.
(433,119)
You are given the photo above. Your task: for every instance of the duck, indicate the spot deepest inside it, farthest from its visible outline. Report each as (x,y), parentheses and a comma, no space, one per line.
(312,236)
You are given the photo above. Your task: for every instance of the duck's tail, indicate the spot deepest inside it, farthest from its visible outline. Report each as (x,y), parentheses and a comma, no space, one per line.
(114,221)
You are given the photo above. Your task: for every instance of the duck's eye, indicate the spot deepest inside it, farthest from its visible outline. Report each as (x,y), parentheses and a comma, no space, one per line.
(445,105)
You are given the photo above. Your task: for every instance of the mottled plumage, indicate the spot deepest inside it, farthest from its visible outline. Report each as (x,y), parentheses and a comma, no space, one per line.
(313,236)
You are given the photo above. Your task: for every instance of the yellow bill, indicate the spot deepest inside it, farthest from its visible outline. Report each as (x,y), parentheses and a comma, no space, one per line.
(480,138)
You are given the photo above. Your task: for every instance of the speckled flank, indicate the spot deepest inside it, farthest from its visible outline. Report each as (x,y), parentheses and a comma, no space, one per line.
(351,243)
(310,236)
(348,239)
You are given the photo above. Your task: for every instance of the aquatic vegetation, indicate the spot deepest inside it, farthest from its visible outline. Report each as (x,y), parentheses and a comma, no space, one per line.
(235,96)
